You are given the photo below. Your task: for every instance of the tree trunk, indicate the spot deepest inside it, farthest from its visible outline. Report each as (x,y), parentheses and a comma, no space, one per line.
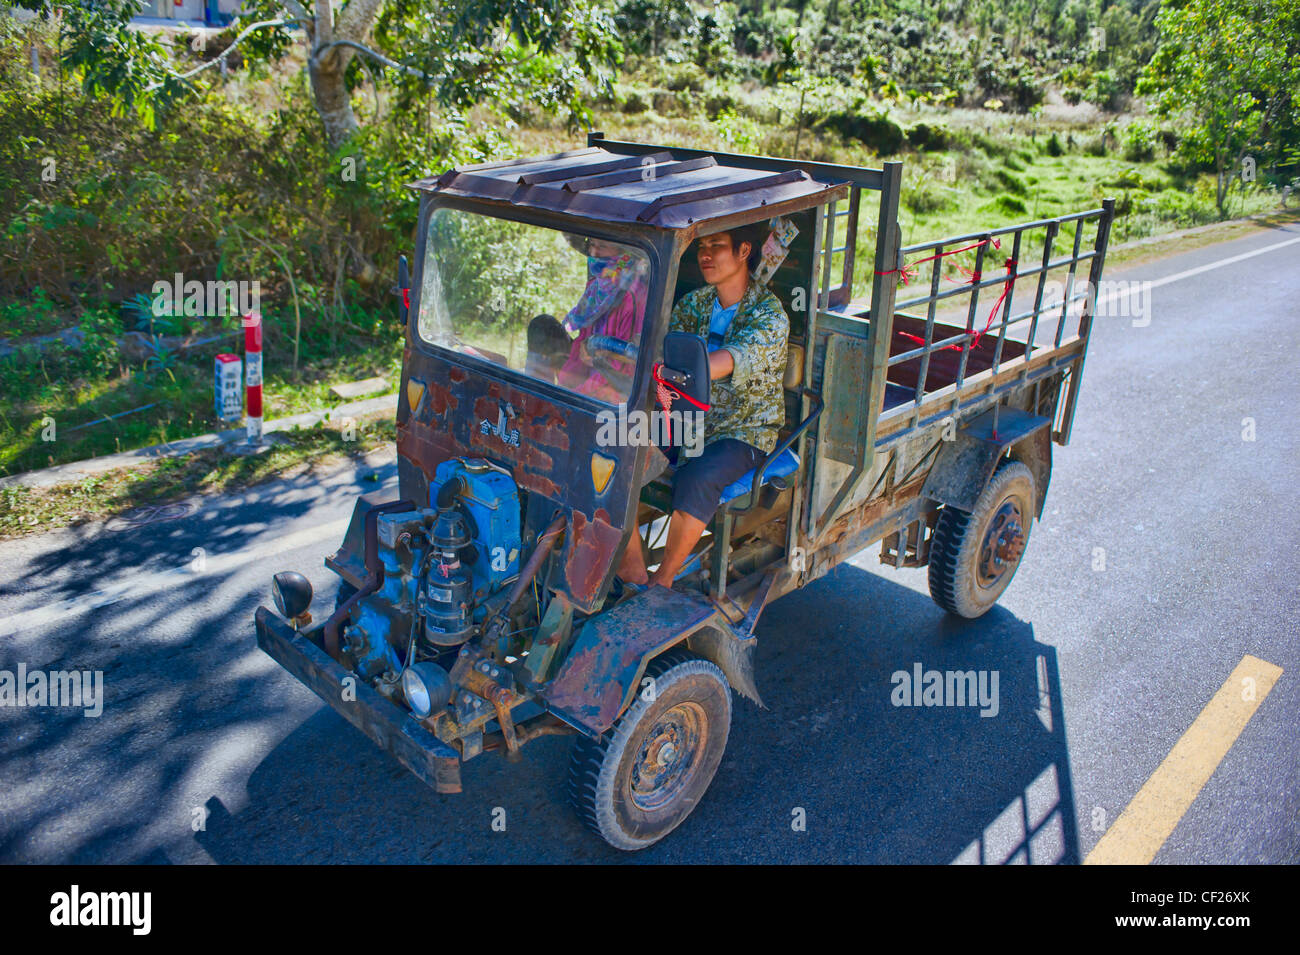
(330,93)
(328,64)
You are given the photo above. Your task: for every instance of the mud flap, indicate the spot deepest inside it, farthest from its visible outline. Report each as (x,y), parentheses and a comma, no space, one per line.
(733,655)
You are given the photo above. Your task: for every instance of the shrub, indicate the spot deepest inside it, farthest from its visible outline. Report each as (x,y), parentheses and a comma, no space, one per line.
(1010,205)
(1184,209)
(930,137)
(1105,91)
(1139,142)
(877,130)
(1009,182)
(681,103)
(717,103)
(926,197)
(992,145)
(975,168)
(738,132)
(1054,147)
(219,190)
(687,76)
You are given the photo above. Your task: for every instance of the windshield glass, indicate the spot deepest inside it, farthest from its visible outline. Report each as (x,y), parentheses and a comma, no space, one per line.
(558,306)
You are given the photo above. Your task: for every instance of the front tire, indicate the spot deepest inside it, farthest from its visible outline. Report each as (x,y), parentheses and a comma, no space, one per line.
(974,554)
(648,772)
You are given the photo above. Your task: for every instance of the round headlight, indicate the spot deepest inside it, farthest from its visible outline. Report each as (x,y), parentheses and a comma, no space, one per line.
(291,592)
(417,696)
(426,687)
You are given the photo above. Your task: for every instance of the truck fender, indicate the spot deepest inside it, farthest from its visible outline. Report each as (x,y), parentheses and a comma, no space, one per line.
(603,670)
(965,464)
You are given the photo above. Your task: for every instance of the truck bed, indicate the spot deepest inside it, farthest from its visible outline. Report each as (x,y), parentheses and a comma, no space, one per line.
(944,363)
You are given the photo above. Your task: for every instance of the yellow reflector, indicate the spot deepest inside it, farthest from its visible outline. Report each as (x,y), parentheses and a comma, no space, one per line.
(602,469)
(414,393)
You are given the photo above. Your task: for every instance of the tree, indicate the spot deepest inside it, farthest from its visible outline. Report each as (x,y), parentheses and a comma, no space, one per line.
(1230,70)
(464,50)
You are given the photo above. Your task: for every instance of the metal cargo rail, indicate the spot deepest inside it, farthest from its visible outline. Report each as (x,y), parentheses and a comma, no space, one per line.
(963,395)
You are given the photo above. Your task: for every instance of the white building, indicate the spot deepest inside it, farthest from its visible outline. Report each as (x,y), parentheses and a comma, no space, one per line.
(189,12)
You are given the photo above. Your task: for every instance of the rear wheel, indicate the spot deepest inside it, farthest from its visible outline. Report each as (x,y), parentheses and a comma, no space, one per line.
(648,771)
(975,553)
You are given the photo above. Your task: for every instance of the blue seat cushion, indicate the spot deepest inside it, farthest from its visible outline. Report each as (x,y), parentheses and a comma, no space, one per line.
(787,462)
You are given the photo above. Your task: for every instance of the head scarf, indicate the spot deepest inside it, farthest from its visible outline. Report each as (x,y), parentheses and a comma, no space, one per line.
(607,280)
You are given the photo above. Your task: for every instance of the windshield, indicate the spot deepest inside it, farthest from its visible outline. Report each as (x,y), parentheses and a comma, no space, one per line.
(557,306)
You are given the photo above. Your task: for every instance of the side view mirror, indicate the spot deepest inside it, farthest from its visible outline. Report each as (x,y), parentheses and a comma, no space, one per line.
(404,285)
(686,365)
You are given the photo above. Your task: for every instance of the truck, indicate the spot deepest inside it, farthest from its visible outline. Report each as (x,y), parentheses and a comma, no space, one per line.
(479,607)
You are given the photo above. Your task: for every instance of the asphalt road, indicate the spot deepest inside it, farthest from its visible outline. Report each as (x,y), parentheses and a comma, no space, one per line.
(1101,671)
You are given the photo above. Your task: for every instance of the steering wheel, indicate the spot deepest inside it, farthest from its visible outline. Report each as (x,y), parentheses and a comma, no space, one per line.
(606,349)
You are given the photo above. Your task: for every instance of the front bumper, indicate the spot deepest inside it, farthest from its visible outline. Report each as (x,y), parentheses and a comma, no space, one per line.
(388,726)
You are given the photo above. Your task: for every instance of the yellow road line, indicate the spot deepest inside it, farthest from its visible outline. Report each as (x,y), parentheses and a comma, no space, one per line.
(1150,818)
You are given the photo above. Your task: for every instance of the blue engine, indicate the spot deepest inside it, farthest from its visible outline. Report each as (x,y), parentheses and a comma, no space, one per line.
(490,499)
(440,563)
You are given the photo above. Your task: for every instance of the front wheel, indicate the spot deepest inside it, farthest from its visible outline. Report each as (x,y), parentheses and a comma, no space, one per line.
(974,554)
(647,772)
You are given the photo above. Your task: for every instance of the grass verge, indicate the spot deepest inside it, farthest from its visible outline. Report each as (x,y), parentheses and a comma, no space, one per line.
(35,510)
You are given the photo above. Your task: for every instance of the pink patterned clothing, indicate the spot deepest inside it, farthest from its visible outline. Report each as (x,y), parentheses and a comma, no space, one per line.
(622,319)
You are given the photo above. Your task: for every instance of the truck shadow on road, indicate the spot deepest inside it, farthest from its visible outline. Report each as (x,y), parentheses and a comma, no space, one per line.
(833,771)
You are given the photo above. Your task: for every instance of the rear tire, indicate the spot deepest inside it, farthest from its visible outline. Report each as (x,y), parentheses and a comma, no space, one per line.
(974,554)
(647,772)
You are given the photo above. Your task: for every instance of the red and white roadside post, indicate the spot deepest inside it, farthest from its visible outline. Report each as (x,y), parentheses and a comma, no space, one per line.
(253,376)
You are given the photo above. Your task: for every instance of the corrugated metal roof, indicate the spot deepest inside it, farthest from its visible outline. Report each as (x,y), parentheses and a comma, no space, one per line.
(653,189)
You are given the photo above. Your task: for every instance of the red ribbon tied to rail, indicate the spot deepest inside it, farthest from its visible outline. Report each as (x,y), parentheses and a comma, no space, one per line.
(908,271)
(974,342)
(666,391)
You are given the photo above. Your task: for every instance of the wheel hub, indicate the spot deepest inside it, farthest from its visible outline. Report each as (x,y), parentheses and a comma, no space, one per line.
(1004,543)
(668,756)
